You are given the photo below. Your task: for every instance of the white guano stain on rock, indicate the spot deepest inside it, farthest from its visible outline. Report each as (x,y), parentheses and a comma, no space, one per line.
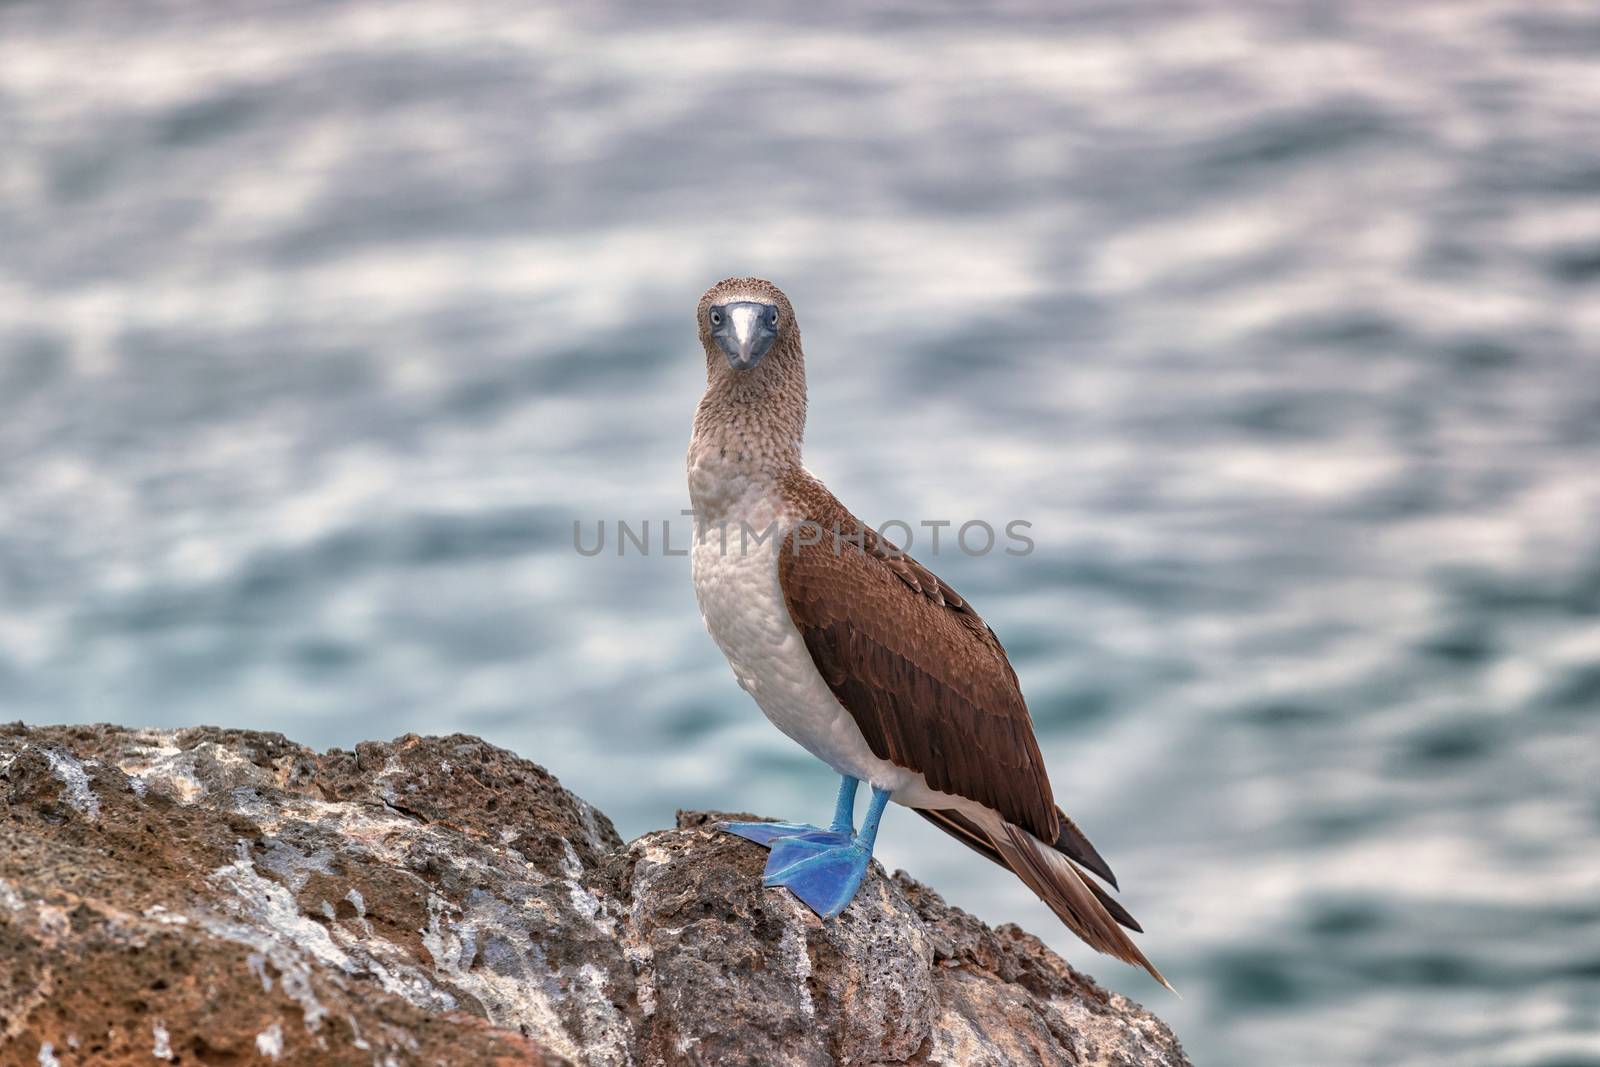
(47,1056)
(797,963)
(266,919)
(583,899)
(162,1047)
(571,866)
(76,779)
(274,906)
(591,825)
(258,967)
(358,902)
(269,1042)
(160,759)
(46,921)
(641,958)
(607,1034)
(391,767)
(508,1000)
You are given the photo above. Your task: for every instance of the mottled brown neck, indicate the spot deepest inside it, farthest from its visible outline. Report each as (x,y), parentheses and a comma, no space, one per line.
(750,423)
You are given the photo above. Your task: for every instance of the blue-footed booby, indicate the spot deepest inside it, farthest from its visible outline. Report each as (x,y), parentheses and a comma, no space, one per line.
(858,652)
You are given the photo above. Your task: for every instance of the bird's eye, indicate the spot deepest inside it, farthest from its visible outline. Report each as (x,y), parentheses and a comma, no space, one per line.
(772,318)
(716,317)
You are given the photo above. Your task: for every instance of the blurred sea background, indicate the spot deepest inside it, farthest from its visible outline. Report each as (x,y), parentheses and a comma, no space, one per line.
(321,323)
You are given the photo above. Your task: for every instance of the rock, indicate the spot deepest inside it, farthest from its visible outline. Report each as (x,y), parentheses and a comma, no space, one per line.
(211,896)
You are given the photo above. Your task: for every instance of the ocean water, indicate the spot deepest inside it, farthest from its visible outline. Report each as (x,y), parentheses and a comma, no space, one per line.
(322,323)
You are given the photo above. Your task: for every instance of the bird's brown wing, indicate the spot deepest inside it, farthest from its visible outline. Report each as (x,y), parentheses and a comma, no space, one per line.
(932,691)
(923,676)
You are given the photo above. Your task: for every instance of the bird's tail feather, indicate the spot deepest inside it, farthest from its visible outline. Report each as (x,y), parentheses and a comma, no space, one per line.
(1058,882)
(970,834)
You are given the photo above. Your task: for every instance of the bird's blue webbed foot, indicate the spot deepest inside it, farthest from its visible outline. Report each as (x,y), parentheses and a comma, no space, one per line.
(795,848)
(824,868)
(825,877)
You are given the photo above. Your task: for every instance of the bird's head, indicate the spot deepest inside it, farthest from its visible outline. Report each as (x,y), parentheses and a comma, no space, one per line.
(742,320)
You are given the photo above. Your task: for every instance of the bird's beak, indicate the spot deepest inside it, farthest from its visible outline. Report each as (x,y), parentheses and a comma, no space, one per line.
(745,335)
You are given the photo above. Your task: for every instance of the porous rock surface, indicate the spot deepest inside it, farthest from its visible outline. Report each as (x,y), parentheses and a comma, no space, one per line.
(209,896)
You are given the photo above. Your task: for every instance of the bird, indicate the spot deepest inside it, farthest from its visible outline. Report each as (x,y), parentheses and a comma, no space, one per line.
(859,653)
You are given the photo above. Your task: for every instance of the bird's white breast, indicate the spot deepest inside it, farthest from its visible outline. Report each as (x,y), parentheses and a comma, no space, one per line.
(741,600)
(735,564)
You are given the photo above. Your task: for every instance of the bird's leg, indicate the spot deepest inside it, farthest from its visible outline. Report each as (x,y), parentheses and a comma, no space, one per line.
(821,870)
(844,809)
(868,837)
(765,833)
